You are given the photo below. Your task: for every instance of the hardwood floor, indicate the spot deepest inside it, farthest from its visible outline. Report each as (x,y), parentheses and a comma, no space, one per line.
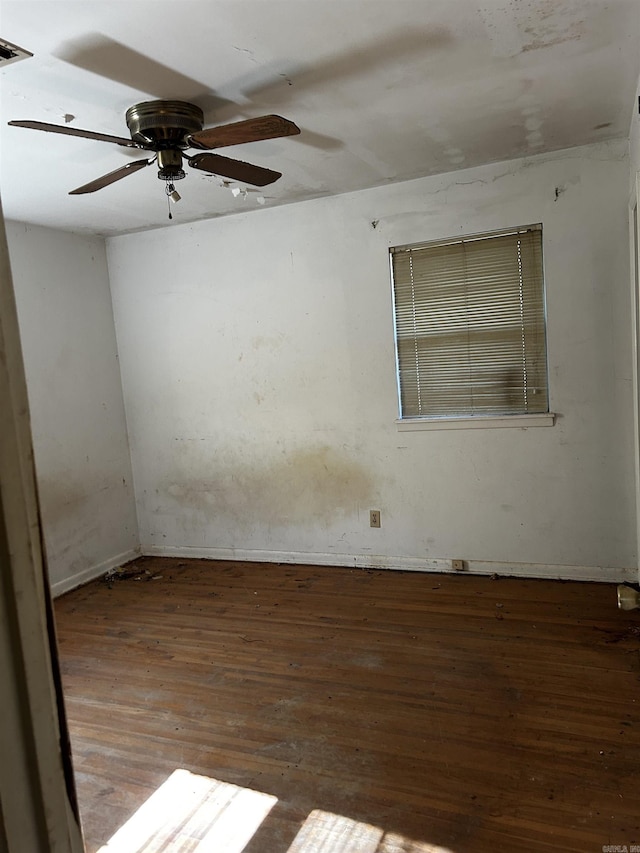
(447,711)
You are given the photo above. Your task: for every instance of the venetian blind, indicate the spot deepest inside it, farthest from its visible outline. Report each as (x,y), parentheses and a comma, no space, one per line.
(470,326)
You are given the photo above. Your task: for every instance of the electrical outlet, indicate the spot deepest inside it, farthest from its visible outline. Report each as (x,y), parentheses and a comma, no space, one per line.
(374,518)
(457,565)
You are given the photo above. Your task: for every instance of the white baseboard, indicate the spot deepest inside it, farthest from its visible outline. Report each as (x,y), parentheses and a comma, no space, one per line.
(86,575)
(602,574)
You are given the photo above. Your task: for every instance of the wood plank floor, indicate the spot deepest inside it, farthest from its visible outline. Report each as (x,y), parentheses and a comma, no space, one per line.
(449,712)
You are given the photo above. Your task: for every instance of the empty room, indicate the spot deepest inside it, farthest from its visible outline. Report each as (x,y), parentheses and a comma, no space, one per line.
(328,538)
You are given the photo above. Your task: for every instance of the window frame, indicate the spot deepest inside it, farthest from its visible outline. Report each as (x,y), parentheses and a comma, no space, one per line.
(411,423)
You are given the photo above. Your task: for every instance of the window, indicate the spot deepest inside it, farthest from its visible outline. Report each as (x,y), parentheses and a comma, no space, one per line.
(470,326)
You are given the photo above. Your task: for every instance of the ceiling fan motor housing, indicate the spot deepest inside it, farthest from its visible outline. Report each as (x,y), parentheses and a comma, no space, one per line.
(165,126)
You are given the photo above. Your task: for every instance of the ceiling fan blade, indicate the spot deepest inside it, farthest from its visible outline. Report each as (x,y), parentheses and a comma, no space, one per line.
(75,131)
(237,170)
(251,130)
(112,177)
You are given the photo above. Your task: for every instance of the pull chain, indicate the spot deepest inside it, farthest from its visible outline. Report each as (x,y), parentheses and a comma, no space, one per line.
(169,188)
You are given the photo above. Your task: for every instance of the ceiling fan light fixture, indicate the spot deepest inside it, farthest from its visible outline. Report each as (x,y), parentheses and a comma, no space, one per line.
(171,174)
(170,165)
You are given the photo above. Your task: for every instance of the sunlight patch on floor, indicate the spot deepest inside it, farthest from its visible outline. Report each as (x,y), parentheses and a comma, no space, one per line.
(323,832)
(193,813)
(394,843)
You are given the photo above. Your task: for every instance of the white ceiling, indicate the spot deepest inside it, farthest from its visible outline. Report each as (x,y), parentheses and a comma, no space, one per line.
(383,90)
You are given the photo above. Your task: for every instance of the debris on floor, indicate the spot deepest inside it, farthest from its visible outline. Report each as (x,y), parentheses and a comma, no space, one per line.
(126,573)
(630,633)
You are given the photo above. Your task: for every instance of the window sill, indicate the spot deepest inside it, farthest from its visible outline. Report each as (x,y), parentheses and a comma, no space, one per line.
(480,422)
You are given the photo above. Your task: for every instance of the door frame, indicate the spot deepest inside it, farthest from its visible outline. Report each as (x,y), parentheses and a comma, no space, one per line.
(38,807)
(634,245)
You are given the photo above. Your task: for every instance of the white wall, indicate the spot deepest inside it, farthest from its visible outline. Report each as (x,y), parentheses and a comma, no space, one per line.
(75,396)
(259,377)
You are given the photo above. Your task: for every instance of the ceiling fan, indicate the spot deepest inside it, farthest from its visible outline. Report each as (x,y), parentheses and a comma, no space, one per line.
(168,128)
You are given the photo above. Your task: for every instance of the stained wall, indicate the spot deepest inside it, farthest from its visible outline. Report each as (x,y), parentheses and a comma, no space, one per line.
(257,357)
(80,440)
